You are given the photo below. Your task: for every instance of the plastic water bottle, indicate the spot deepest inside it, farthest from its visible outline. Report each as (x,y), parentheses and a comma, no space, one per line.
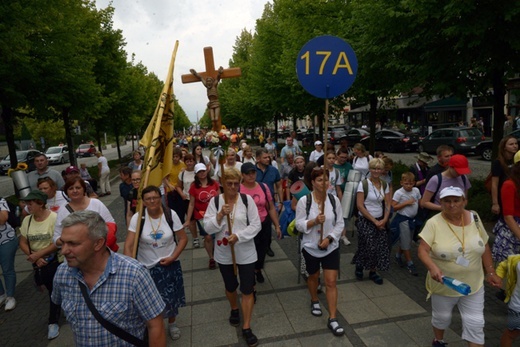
(456,285)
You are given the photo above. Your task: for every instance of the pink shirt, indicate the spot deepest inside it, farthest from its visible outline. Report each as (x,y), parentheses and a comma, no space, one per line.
(259,196)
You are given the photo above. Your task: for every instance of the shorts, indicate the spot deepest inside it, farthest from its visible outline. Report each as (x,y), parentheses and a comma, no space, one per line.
(328,262)
(246,272)
(513,319)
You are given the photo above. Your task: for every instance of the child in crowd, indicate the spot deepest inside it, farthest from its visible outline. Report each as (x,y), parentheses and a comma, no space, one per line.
(406,203)
(510,268)
(335,179)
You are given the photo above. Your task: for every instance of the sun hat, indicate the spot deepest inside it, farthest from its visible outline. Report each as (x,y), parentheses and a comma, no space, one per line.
(451,191)
(423,156)
(200,167)
(460,164)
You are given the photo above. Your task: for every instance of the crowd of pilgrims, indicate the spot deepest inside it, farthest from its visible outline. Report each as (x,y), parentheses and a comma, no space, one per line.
(240,203)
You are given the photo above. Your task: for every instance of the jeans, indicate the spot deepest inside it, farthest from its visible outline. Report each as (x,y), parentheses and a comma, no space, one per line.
(7,253)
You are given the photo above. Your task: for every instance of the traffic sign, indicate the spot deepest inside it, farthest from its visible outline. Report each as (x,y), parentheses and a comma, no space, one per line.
(326,66)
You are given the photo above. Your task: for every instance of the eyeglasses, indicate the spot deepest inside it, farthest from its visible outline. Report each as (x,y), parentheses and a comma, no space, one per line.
(376,169)
(152,198)
(232,184)
(136,180)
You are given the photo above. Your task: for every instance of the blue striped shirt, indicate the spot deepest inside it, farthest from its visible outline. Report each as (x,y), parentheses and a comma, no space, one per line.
(124,294)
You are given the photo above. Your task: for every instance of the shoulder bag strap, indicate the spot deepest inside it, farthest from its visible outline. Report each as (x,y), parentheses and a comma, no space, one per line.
(114,329)
(69,208)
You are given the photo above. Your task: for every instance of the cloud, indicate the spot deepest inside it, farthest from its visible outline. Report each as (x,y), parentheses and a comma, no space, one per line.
(151,27)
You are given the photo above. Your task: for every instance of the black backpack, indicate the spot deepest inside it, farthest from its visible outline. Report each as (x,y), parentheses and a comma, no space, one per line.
(308,204)
(13,219)
(244,200)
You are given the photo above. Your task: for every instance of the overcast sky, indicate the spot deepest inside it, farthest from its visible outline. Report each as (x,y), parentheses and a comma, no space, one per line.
(151,27)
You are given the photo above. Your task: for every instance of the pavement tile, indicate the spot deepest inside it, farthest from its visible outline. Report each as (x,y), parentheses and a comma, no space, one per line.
(360,311)
(282,343)
(373,290)
(303,321)
(350,292)
(281,266)
(389,334)
(397,305)
(267,303)
(213,278)
(184,319)
(325,340)
(217,333)
(420,330)
(207,291)
(214,311)
(298,298)
(271,325)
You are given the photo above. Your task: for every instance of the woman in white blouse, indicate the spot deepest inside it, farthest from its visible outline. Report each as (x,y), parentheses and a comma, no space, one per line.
(230,212)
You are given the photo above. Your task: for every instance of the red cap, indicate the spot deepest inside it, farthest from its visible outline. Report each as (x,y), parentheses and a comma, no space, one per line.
(460,164)
(71,169)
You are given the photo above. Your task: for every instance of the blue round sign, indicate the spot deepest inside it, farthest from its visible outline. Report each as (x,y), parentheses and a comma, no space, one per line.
(326,66)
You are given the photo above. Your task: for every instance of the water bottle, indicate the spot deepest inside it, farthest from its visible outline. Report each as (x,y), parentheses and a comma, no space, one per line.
(456,285)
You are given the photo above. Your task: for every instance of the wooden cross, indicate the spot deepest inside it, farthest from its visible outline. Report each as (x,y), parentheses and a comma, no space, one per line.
(215,75)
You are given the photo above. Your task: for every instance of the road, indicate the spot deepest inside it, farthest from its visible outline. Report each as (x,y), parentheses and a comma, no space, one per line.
(6,183)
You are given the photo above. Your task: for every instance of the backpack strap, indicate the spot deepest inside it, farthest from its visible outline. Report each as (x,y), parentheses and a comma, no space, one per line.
(216,199)
(308,204)
(439,181)
(69,208)
(264,189)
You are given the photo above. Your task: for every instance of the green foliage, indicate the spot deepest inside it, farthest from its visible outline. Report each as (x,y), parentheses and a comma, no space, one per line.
(51,130)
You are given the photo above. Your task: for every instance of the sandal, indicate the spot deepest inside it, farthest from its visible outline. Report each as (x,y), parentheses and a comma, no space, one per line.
(234,318)
(359,273)
(337,329)
(250,338)
(212,264)
(316,309)
(374,276)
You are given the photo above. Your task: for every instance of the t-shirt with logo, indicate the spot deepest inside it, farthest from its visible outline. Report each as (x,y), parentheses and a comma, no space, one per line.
(202,196)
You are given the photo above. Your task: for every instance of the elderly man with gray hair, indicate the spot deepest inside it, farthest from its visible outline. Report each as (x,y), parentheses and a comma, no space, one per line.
(109,299)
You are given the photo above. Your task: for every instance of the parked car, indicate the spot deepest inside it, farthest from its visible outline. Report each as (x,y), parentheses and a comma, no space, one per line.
(393,141)
(462,140)
(22,157)
(57,155)
(86,150)
(355,135)
(335,133)
(485,148)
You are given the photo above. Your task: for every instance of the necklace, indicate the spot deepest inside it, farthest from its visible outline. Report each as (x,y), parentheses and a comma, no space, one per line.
(377,192)
(154,232)
(453,231)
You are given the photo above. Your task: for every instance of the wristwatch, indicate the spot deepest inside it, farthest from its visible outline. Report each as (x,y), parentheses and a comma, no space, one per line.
(331,239)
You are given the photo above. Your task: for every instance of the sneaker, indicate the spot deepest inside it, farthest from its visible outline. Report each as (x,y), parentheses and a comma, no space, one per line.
(399,260)
(439,343)
(250,338)
(234,318)
(10,303)
(259,277)
(175,332)
(345,241)
(412,270)
(53,331)
(4,296)
(212,264)
(269,252)
(196,243)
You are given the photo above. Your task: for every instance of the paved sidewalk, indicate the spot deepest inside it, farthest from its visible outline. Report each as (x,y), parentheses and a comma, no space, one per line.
(393,314)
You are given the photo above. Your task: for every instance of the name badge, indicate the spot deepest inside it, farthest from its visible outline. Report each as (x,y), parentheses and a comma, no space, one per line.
(462,261)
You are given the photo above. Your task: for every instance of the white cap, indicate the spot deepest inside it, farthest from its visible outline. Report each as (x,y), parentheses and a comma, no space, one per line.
(451,191)
(200,167)
(318,143)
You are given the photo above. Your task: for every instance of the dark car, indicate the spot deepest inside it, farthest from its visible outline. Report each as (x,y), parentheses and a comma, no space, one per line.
(393,141)
(22,157)
(85,150)
(335,133)
(355,135)
(485,148)
(462,140)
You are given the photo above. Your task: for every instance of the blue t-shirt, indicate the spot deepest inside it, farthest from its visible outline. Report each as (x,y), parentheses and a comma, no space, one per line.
(270,176)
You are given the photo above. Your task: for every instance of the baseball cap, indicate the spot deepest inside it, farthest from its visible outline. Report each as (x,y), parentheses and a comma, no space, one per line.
(35,195)
(516,158)
(451,191)
(318,143)
(460,164)
(247,168)
(200,167)
(71,169)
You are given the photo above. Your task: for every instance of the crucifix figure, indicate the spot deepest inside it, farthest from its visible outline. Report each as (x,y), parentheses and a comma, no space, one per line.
(210,79)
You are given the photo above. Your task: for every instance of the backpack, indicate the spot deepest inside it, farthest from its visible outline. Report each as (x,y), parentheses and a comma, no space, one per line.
(167,215)
(13,217)
(244,200)
(364,183)
(308,204)
(439,181)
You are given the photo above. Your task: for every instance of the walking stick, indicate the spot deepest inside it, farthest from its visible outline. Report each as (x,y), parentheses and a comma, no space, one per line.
(228,219)
(324,196)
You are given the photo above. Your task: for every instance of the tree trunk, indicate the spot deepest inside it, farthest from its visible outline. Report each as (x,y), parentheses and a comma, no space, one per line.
(7,117)
(499,91)
(372,122)
(68,136)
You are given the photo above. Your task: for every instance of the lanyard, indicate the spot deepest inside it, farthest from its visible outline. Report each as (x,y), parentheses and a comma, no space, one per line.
(453,231)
